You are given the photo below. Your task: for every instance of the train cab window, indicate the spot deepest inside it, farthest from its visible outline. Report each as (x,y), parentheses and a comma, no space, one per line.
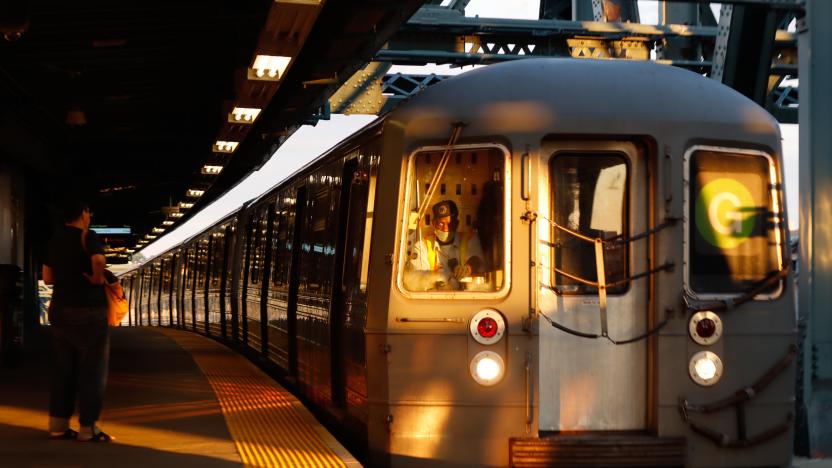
(589,197)
(442,251)
(734,221)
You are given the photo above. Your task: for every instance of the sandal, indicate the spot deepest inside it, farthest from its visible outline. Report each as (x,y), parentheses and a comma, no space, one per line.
(68,434)
(99,436)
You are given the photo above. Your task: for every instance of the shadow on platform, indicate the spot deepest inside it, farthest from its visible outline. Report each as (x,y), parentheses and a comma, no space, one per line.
(159,406)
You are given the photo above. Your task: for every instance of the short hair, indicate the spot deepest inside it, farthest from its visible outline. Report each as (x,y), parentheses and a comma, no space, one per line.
(72,209)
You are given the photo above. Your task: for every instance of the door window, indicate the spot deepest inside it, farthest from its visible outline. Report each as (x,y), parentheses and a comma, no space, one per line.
(589,197)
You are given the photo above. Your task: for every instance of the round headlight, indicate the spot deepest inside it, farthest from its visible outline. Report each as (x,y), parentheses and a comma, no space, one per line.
(705,368)
(487,326)
(705,327)
(487,368)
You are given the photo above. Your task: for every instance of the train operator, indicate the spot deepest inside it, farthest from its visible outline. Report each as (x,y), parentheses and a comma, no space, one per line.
(447,258)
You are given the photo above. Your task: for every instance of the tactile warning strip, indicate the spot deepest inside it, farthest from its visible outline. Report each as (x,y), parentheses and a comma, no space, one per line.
(268,424)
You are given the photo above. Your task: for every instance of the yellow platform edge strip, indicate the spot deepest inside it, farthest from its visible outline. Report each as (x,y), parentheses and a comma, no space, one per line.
(270,427)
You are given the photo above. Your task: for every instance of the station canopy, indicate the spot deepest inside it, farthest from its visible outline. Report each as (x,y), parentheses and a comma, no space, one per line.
(127,100)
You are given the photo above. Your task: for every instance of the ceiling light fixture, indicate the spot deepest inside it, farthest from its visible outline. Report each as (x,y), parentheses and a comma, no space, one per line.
(225,146)
(75,117)
(176,215)
(167,222)
(158,230)
(269,67)
(195,193)
(244,115)
(185,205)
(211,170)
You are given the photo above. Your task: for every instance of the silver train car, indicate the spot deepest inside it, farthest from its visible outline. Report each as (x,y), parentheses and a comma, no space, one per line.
(538,263)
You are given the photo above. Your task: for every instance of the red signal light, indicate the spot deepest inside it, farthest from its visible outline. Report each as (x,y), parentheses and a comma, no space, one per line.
(705,328)
(487,327)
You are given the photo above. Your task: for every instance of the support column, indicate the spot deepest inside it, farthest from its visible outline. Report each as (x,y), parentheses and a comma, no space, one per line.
(11,263)
(612,11)
(676,48)
(815,116)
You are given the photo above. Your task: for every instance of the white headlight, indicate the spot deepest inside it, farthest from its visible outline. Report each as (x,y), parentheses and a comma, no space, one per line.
(705,368)
(487,368)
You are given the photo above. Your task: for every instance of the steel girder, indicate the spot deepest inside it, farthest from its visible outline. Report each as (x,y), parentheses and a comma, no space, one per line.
(439,35)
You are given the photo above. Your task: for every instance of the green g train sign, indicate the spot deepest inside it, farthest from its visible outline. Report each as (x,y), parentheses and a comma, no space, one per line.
(734,220)
(724,214)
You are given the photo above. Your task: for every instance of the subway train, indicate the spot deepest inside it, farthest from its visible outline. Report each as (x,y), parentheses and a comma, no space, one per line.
(536,263)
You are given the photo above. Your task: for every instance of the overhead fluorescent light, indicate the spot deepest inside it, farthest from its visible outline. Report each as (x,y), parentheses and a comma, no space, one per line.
(150,236)
(158,230)
(225,146)
(269,67)
(211,170)
(194,193)
(185,205)
(244,115)
(176,215)
(167,222)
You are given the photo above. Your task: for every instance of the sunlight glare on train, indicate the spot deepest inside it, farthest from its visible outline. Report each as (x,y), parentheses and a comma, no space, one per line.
(303,146)
(518,116)
(430,421)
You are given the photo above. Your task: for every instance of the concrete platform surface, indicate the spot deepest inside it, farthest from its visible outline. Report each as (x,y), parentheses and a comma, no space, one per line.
(160,407)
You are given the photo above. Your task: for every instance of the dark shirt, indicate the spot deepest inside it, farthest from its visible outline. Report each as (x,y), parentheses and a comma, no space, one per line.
(68,261)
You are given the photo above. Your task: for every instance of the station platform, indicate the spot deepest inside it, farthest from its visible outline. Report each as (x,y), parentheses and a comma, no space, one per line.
(173,398)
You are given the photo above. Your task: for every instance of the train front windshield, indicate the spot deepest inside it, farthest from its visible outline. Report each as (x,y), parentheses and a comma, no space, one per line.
(456,221)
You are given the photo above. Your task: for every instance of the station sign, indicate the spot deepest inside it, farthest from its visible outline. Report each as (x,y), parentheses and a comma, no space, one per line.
(112,230)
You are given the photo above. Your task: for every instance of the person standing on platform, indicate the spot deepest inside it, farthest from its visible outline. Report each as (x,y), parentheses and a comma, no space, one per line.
(74,264)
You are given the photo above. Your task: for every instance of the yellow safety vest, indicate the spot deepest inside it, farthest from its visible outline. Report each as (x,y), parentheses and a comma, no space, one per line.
(463,248)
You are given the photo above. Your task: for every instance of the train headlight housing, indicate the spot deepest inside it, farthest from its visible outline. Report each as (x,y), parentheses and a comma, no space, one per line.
(705,368)
(487,368)
(487,326)
(705,327)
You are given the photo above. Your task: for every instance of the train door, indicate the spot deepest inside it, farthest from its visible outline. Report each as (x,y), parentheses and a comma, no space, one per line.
(349,305)
(225,295)
(176,259)
(139,293)
(593,195)
(294,280)
(349,200)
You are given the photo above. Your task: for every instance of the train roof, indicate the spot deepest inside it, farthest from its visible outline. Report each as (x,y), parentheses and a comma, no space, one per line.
(370,129)
(574,96)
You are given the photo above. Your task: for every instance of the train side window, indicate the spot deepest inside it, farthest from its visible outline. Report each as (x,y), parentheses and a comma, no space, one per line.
(167,268)
(456,240)
(259,224)
(282,244)
(217,252)
(589,196)
(734,222)
(202,264)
